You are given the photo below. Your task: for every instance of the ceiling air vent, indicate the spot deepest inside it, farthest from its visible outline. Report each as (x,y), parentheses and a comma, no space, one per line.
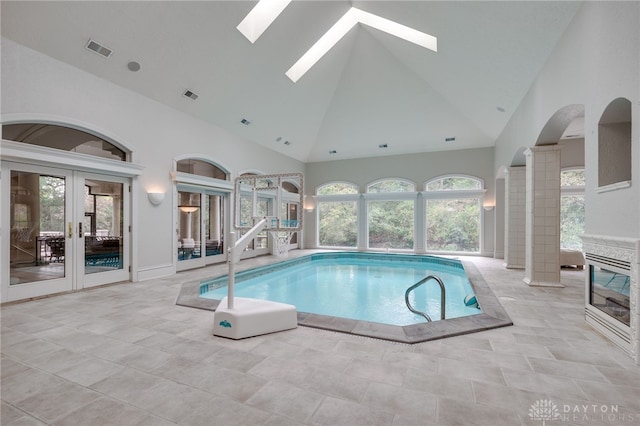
(383,145)
(245,121)
(189,94)
(96,47)
(450,139)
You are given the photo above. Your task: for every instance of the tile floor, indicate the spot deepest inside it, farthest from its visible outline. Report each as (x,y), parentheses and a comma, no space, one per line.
(127,355)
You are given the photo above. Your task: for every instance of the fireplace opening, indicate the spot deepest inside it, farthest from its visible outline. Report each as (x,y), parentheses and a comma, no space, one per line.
(609,292)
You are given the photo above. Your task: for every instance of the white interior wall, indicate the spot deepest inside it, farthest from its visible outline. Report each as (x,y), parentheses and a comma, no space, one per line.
(595,62)
(37,86)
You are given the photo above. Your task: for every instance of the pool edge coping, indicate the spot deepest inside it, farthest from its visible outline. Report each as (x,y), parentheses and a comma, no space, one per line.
(493,315)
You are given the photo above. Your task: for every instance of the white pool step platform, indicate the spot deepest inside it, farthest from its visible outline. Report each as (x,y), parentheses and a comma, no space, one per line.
(252,317)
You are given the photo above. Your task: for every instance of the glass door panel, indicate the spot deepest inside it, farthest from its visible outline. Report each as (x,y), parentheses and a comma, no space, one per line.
(214,229)
(37,224)
(102,228)
(189,231)
(102,243)
(37,228)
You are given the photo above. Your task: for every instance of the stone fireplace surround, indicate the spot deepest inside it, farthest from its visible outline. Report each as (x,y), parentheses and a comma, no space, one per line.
(620,254)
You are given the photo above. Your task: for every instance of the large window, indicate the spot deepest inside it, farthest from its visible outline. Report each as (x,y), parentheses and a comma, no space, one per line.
(571,209)
(337,215)
(453,214)
(390,215)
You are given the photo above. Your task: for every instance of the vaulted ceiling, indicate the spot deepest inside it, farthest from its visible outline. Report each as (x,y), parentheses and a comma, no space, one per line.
(370,89)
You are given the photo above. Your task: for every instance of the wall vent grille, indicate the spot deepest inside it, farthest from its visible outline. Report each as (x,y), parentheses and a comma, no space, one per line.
(189,94)
(608,261)
(96,47)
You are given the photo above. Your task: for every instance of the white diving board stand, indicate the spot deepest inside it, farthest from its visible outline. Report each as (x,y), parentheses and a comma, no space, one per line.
(239,317)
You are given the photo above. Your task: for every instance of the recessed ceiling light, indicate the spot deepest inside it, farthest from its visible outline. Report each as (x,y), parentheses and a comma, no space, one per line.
(333,151)
(133,66)
(500,109)
(352,17)
(383,145)
(260,17)
(452,139)
(189,94)
(279,138)
(245,121)
(96,47)
(287,143)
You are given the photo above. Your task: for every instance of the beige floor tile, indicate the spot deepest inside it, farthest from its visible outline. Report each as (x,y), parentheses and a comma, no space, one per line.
(152,363)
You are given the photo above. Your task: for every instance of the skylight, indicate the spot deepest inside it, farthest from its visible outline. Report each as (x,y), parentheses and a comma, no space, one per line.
(352,17)
(260,17)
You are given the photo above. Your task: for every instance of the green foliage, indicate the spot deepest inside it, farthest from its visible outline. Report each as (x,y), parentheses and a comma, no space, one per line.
(391,185)
(571,221)
(572,177)
(453,183)
(337,188)
(391,224)
(453,225)
(52,191)
(338,224)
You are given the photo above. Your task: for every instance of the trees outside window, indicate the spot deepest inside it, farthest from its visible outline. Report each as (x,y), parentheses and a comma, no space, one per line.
(571,208)
(385,215)
(337,215)
(390,217)
(453,214)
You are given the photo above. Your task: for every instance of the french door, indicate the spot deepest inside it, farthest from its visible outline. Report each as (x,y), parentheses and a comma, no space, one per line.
(200,228)
(62,230)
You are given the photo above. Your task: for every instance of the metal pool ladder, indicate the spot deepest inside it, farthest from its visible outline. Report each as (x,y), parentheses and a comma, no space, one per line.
(443,296)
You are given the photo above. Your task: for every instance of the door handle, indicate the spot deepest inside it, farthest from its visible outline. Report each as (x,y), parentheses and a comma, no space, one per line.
(70,229)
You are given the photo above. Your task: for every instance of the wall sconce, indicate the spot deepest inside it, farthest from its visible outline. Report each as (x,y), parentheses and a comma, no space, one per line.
(188,209)
(155,198)
(309,204)
(488,208)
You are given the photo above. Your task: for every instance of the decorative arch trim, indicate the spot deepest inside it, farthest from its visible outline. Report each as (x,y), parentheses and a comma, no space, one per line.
(558,123)
(72,123)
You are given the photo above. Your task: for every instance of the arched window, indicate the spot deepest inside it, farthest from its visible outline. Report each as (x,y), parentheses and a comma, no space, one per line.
(337,209)
(571,208)
(62,138)
(201,168)
(337,188)
(391,185)
(390,214)
(453,211)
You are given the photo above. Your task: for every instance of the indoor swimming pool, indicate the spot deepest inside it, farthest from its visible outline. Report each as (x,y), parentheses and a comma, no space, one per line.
(359,286)
(492,315)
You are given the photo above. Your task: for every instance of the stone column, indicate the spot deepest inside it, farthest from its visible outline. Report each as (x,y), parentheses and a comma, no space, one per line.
(499,223)
(542,260)
(514,218)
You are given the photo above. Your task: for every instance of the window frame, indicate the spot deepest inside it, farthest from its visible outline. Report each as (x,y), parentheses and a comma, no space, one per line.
(451,194)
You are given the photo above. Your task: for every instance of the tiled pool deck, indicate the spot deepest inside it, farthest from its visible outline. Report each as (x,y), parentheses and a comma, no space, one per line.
(128,355)
(493,315)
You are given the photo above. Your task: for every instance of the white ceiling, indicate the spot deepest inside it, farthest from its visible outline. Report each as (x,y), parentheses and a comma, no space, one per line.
(370,89)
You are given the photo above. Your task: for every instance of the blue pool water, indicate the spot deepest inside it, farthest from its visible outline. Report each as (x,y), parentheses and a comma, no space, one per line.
(359,286)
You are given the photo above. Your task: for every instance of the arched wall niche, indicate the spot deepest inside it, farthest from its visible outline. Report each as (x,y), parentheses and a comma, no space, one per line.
(614,143)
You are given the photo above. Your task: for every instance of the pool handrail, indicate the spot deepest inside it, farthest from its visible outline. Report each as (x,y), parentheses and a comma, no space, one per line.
(443,297)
